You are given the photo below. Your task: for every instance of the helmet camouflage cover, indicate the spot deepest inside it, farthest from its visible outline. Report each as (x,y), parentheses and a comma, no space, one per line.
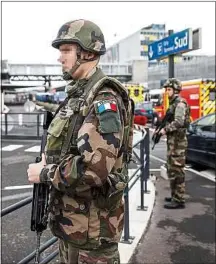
(83,32)
(173,83)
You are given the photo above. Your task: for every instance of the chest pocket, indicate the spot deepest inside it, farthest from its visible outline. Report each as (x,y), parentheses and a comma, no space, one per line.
(56,134)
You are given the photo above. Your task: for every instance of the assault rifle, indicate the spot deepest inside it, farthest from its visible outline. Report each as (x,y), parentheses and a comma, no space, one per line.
(156,136)
(39,212)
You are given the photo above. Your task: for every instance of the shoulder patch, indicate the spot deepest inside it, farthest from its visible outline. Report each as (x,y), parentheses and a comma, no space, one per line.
(106,105)
(108,116)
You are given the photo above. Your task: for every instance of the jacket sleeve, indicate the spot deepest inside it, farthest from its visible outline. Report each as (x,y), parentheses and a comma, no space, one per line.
(179,118)
(99,141)
(48,106)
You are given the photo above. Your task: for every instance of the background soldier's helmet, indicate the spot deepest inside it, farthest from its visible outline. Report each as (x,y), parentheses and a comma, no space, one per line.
(83,32)
(173,83)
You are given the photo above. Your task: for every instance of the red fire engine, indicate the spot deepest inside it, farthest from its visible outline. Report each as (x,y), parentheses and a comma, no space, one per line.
(199,93)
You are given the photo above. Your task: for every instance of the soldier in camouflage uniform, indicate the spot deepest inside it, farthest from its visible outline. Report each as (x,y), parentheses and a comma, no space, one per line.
(88,147)
(176,143)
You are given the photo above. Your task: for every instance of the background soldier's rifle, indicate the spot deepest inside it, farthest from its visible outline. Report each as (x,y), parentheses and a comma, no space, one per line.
(39,213)
(156,136)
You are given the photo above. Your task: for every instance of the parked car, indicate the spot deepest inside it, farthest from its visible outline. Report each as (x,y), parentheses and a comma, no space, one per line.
(201,141)
(146,109)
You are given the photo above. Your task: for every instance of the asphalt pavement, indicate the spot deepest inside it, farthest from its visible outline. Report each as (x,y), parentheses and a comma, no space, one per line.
(181,236)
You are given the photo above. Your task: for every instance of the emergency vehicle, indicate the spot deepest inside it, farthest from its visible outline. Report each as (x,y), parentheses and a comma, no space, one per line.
(136,92)
(199,93)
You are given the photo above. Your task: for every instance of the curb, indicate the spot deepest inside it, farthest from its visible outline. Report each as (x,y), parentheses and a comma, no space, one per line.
(139,220)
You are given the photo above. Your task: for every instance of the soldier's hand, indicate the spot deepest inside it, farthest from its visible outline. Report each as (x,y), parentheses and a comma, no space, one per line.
(162,132)
(155,132)
(34,170)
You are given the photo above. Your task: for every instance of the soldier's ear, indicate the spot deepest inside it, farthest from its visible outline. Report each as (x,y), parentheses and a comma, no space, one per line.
(88,55)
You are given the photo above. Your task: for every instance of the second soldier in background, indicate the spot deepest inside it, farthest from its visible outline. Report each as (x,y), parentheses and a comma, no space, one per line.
(175,131)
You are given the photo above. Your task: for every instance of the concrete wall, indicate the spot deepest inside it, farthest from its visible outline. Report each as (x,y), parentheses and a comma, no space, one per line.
(140,71)
(125,50)
(196,68)
(129,48)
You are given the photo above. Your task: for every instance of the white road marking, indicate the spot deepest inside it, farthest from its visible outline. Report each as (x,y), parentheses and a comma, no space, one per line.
(18,187)
(156,158)
(154,169)
(11,147)
(16,196)
(206,174)
(33,149)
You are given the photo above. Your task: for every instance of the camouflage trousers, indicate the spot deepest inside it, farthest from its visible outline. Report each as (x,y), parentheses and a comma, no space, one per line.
(108,254)
(176,155)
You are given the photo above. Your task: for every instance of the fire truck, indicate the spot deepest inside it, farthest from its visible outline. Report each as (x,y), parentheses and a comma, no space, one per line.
(199,93)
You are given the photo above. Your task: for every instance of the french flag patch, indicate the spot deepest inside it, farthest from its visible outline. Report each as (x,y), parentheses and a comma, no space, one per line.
(104,106)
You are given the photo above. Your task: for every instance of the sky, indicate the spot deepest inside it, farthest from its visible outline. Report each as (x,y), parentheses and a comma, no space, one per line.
(28,28)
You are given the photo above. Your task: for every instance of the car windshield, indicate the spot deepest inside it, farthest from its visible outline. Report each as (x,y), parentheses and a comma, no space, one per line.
(145,105)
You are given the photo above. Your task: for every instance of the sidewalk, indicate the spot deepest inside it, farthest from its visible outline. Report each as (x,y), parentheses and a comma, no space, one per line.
(184,235)
(138,220)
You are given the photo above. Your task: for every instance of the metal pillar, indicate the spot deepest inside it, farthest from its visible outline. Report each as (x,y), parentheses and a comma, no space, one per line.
(171,60)
(142,177)
(147,153)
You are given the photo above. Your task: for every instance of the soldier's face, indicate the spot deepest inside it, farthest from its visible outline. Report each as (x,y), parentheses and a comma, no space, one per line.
(170,92)
(67,56)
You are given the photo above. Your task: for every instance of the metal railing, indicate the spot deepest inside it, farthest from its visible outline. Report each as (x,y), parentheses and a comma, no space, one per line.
(143,169)
(22,125)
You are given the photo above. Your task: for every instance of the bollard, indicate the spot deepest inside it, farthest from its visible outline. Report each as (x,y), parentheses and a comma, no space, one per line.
(142,153)
(147,154)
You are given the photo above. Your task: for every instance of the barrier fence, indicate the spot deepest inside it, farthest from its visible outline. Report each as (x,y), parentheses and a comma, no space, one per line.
(22,125)
(143,175)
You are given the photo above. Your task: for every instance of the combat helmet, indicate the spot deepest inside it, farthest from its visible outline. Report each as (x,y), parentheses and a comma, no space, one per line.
(83,32)
(173,83)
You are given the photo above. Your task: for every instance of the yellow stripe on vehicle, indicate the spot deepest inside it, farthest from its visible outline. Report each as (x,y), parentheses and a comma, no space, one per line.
(207,106)
(210,108)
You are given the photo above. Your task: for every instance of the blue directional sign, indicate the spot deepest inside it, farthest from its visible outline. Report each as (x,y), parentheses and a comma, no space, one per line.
(179,42)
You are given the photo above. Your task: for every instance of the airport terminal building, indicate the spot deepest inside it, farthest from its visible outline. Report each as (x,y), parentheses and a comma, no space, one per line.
(135,46)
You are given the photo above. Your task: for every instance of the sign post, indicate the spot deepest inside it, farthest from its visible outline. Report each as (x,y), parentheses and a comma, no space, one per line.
(175,43)
(171,68)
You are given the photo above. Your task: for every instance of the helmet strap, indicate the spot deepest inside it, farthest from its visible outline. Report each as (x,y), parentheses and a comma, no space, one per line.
(68,75)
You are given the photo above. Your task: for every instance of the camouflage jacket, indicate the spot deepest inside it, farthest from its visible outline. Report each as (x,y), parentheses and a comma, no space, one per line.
(180,111)
(86,205)
(47,106)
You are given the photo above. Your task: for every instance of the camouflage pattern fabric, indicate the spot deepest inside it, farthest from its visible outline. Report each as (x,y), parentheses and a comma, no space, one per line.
(176,147)
(173,83)
(86,203)
(104,254)
(48,106)
(83,32)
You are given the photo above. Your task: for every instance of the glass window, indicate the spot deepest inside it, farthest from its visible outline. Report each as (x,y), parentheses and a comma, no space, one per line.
(205,124)
(213,128)
(206,121)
